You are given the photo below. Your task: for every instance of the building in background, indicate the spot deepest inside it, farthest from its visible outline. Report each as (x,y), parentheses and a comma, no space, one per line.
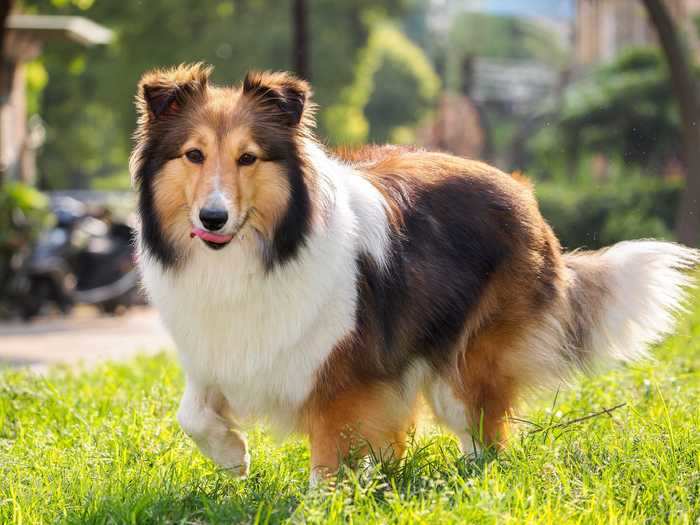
(26,34)
(603,28)
(516,85)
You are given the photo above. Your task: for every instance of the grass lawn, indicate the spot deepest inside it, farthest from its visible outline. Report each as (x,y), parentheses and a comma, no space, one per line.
(103,447)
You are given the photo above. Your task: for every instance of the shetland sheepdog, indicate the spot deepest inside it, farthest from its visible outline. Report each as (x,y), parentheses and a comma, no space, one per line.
(326,292)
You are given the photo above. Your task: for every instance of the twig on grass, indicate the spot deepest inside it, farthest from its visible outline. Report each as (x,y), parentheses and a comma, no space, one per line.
(564,424)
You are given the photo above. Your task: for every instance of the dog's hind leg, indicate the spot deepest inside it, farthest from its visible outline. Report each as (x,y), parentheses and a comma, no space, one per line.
(476,397)
(205,416)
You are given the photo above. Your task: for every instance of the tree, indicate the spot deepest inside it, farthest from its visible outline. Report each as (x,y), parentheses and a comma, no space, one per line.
(394,86)
(5,9)
(300,46)
(686,92)
(625,110)
(87,104)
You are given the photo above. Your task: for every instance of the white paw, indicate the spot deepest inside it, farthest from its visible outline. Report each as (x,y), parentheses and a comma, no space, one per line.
(238,469)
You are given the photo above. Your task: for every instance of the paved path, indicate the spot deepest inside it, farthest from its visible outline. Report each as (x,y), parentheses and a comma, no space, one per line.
(85,337)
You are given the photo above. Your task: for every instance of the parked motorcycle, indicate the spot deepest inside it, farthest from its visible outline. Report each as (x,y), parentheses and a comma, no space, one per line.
(84,259)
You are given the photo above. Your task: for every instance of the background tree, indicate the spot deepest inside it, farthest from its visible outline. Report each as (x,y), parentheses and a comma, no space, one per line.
(300,48)
(88,102)
(624,110)
(5,9)
(394,87)
(685,89)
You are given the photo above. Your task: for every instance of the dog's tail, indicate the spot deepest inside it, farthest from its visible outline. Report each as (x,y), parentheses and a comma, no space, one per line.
(616,302)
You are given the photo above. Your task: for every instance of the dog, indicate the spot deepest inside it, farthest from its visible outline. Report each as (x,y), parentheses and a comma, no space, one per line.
(327,292)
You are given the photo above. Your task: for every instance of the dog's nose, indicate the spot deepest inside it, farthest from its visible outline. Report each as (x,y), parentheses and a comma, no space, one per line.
(213,218)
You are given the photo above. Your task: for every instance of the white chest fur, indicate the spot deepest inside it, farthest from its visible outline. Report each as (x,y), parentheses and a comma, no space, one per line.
(261,337)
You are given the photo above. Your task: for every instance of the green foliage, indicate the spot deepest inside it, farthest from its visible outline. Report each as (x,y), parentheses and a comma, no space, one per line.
(116,182)
(548,154)
(624,110)
(103,446)
(23,213)
(37,77)
(593,215)
(88,102)
(394,87)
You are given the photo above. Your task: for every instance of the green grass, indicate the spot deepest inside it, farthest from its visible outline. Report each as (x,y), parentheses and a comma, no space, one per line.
(103,447)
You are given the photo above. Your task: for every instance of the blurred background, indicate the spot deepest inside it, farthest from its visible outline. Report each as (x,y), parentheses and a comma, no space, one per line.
(596,101)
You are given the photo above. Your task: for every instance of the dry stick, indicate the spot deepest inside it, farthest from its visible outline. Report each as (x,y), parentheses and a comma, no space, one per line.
(605,411)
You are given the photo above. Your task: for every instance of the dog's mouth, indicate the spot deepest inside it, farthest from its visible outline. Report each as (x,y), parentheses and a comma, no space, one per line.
(216,241)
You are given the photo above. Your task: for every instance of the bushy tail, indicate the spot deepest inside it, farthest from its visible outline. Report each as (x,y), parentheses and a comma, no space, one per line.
(624,298)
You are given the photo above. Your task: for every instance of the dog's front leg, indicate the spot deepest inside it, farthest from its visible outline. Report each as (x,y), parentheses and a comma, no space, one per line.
(204,415)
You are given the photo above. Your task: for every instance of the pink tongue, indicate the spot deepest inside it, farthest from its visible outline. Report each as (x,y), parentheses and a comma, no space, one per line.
(209,236)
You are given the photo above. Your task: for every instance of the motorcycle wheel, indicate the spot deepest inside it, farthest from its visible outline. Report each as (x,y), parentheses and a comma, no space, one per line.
(111,307)
(38,294)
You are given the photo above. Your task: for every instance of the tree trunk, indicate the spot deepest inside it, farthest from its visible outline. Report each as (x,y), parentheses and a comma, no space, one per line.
(685,90)
(5,8)
(300,47)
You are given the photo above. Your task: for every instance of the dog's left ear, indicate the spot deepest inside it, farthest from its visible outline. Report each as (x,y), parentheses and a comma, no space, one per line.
(285,94)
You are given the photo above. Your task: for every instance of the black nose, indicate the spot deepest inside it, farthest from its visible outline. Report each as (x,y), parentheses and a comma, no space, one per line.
(213,218)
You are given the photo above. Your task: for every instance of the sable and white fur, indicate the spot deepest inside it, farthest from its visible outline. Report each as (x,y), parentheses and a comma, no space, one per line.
(364,278)
(284,321)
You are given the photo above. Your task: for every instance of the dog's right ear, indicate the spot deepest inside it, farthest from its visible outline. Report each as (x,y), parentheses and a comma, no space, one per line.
(164,92)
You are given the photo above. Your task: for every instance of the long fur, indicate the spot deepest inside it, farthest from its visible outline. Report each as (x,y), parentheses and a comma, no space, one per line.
(643,287)
(365,278)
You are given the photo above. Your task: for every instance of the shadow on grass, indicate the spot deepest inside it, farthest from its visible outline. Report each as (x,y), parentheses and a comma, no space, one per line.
(220,500)
(262,498)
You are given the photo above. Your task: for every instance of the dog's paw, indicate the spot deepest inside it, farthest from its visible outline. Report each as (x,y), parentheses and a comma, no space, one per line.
(322,476)
(239,467)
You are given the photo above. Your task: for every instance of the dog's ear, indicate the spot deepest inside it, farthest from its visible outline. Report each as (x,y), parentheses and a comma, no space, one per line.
(164,92)
(283,93)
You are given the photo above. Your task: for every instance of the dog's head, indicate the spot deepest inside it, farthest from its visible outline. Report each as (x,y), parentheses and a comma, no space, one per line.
(214,165)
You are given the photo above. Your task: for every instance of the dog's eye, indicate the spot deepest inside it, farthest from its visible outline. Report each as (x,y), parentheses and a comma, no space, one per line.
(247,159)
(195,156)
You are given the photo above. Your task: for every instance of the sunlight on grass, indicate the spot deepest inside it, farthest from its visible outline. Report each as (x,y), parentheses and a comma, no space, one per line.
(104,447)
